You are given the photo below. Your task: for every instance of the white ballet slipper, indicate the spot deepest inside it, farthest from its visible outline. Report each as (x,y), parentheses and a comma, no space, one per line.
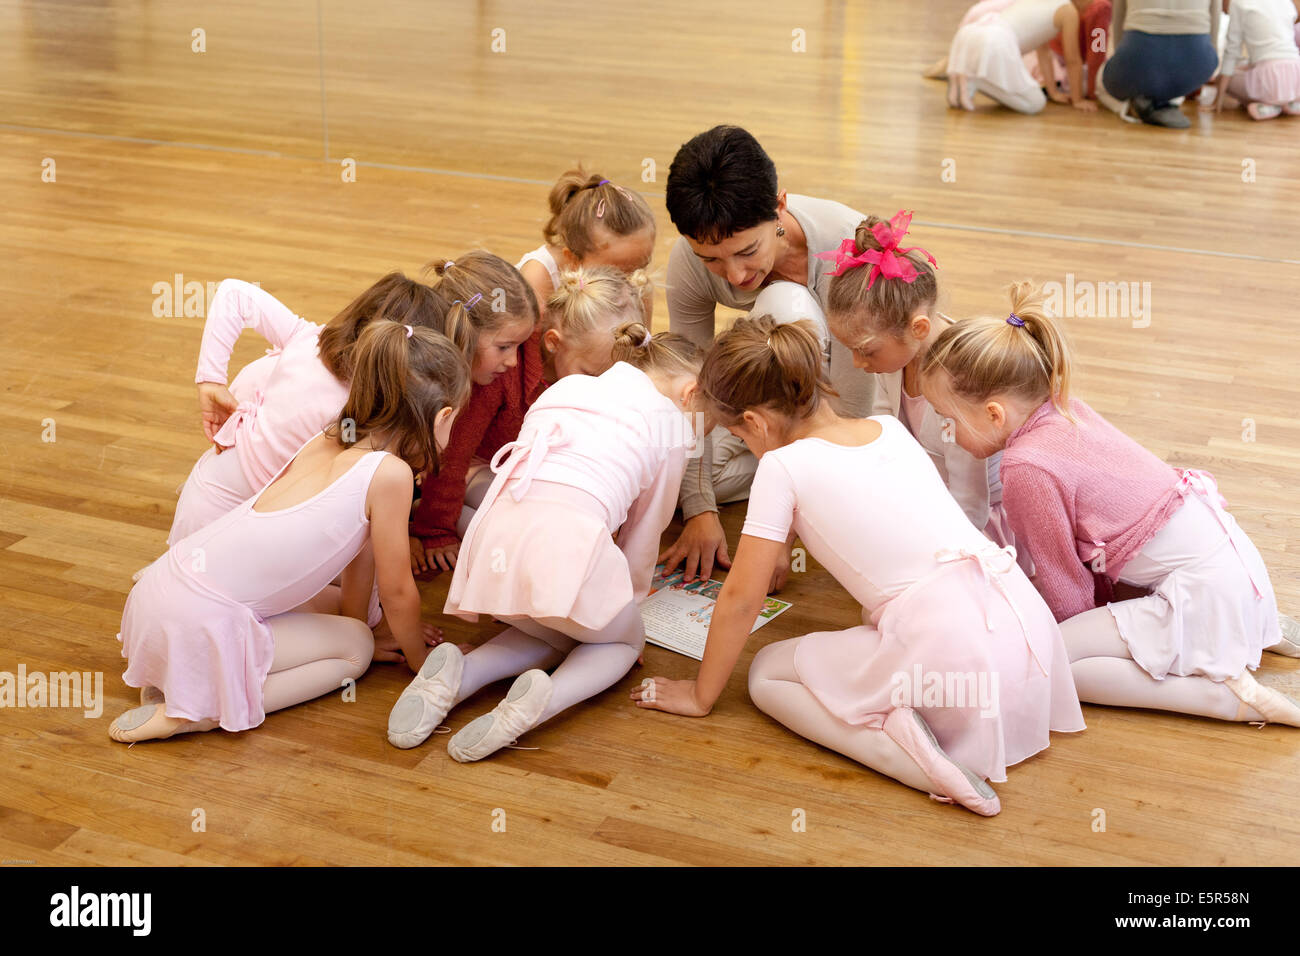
(507,722)
(1274,706)
(425,702)
(1289,645)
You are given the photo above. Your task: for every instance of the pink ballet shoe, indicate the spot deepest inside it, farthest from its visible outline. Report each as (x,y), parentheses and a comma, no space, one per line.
(1292,108)
(1274,706)
(954,782)
(953,102)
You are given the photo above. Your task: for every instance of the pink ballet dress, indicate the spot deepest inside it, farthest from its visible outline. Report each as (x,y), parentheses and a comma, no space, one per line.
(952,627)
(596,456)
(285,399)
(196,623)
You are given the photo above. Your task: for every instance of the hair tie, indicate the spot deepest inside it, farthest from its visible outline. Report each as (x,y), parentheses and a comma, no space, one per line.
(889,260)
(582,283)
(409,331)
(602,182)
(447,265)
(1015,320)
(646,341)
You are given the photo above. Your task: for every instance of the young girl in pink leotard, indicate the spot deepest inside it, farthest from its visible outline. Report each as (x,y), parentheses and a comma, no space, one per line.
(881,306)
(1097,508)
(211,630)
(563,547)
(279,401)
(947,608)
(593,223)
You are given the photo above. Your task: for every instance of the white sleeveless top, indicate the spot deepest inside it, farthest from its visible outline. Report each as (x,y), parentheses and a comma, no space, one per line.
(543,255)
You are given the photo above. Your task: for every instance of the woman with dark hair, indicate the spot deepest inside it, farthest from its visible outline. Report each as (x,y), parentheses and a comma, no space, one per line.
(745,244)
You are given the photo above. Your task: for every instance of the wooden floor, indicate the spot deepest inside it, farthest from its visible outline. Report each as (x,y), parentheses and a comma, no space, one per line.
(169,162)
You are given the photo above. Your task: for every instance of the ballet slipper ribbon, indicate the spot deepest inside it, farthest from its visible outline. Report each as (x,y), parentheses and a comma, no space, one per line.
(889,260)
(245,411)
(542,441)
(1202,484)
(994,563)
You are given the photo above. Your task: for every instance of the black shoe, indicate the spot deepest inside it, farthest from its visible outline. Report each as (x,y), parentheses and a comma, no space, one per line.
(1169,116)
(1160,114)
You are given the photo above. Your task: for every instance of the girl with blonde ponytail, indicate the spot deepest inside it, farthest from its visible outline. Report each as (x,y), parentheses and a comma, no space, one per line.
(232,624)
(581,315)
(941,599)
(593,222)
(1095,508)
(563,546)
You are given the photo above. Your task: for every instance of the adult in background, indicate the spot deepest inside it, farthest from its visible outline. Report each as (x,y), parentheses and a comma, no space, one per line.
(1164,49)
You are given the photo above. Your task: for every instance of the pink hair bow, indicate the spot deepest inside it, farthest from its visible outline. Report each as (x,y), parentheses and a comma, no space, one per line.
(889,260)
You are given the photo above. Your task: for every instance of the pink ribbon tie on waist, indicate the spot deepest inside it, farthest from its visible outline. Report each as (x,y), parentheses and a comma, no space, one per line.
(543,440)
(1202,483)
(245,412)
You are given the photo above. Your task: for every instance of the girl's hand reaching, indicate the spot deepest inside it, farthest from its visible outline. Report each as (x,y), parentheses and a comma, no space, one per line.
(670,696)
(216,404)
(387,650)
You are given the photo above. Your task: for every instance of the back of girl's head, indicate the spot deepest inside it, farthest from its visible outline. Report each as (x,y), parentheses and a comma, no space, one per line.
(480,293)
(666,353)
(720,183)
(586,209)
(886,308)
(395,298)
(400,381)
(758,363)
(593,299)
(1025,354)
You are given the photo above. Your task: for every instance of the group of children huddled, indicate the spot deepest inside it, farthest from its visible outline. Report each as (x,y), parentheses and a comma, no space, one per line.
(1138,57)
(983,517)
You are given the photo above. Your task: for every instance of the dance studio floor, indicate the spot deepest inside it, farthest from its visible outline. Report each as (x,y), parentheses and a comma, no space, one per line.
(172,166)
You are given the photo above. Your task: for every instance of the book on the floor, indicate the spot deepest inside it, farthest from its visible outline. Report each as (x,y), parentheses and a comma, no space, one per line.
(677,615)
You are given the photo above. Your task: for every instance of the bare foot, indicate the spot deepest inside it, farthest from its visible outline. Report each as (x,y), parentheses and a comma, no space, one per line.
(151,723)
(937,70)
(966,93)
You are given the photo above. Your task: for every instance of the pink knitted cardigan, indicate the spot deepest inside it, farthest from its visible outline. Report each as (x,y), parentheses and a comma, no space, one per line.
(1085,498)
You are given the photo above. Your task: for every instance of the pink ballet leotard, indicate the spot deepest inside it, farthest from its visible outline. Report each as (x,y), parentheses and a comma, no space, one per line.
(944,603)
(196,623)
(285,399)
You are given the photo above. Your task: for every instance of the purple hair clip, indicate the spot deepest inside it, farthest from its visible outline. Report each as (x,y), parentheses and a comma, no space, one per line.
(1015,320)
